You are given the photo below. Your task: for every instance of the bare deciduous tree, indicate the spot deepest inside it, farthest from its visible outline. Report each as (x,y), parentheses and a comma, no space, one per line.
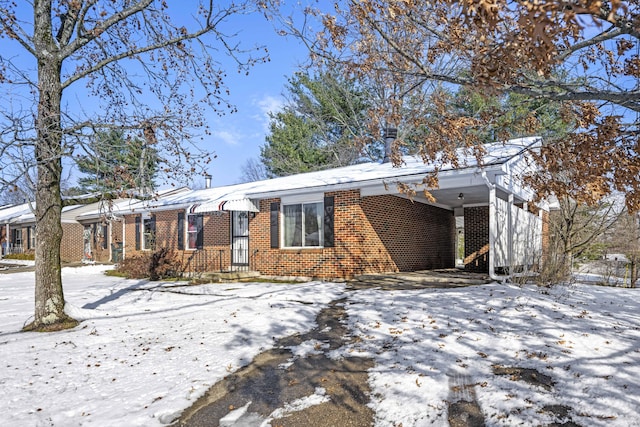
(583,54)
(72,68)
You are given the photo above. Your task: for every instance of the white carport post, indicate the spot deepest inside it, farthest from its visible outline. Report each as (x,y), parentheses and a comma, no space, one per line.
(510,234)
(492,227)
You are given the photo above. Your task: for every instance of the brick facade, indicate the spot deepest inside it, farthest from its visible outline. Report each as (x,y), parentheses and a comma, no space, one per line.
(371,235)
(476,239)
(417,236)
(72,245)
(215,254)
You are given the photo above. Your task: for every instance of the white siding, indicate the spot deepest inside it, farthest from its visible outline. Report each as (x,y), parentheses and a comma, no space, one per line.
(524,236)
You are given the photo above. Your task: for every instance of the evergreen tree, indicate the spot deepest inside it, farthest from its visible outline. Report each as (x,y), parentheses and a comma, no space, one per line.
(115,162)
(317,128)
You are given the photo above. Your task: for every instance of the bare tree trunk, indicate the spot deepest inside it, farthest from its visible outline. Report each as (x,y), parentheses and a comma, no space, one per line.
(49,298)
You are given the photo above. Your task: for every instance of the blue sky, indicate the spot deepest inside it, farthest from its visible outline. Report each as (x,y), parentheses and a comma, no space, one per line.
(237,137)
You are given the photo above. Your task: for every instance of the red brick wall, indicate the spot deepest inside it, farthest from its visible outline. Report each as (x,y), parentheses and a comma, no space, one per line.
(372,234)
(416,236)
(216,252)
(347,258)
(476,239)
(71,247)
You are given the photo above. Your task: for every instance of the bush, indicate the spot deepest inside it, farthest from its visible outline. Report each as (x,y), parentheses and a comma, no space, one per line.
(164,264)
(157,265)
(555,269)
(135,266)
(24,256)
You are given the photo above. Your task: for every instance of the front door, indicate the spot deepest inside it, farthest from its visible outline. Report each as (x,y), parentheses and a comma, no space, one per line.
(240,240)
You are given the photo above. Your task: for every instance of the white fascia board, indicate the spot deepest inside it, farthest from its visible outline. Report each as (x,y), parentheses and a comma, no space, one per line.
(421,199)
(314,197)
(158,208)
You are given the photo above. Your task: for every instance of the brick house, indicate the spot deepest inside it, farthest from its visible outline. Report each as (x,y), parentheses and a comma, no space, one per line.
(17,233)
(86,240)
(353,220)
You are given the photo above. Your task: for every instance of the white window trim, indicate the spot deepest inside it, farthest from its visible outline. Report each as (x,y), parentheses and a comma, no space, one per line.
(301,200)
(186,231)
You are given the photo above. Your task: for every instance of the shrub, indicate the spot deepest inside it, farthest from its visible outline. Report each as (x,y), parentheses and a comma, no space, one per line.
(164,264)
(135,266)
(156,265)
(24,256)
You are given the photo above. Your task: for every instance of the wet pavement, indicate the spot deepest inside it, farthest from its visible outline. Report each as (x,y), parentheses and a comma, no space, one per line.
(270,387)
(267,387)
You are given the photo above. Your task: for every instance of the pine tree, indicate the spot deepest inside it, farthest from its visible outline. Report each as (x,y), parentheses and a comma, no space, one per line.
(317,128)
(116,163)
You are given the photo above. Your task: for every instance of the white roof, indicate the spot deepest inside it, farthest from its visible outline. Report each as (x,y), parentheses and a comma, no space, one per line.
(238,197)
(12,212)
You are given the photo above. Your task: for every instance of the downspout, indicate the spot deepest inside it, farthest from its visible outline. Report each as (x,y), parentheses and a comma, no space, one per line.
(492,228)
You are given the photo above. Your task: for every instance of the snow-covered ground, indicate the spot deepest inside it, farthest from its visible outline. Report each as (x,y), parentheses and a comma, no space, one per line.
(146,350)
(585,338)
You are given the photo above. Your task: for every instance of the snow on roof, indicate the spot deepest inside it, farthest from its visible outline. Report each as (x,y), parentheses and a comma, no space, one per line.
(12,212)
(495,154)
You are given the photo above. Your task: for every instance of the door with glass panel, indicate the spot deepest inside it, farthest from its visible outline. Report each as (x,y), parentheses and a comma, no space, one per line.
(239,240)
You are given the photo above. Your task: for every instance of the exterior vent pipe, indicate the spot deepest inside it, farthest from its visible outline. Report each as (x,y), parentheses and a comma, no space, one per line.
(390,135)
(207,181)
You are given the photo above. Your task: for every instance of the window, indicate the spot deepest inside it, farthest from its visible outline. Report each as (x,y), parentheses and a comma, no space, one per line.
(302,225)
(195,235)
(149,233)
(16,237)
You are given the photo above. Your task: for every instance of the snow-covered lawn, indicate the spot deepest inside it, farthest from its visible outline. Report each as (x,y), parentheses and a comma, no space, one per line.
(585,338)
(145,350)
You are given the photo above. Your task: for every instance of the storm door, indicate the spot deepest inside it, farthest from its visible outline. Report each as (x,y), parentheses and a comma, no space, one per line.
(239,240)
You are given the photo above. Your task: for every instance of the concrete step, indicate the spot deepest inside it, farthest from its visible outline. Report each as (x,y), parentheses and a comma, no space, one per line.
(228,276)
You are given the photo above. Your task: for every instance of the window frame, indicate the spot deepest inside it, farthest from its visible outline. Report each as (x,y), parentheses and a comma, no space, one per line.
(16,237)
(147,239)
(288,202)
(199,232)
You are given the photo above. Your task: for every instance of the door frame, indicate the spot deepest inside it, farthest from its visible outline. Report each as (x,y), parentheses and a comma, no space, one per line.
(239,235)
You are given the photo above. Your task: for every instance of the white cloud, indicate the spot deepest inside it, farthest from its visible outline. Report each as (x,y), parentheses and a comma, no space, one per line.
(267,104)
(270,104)
(227,137)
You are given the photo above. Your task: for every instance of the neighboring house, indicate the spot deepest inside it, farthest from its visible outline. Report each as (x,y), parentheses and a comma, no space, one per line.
(91,232)
(19,223)
(16,237)
(353,220)
(104,226)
